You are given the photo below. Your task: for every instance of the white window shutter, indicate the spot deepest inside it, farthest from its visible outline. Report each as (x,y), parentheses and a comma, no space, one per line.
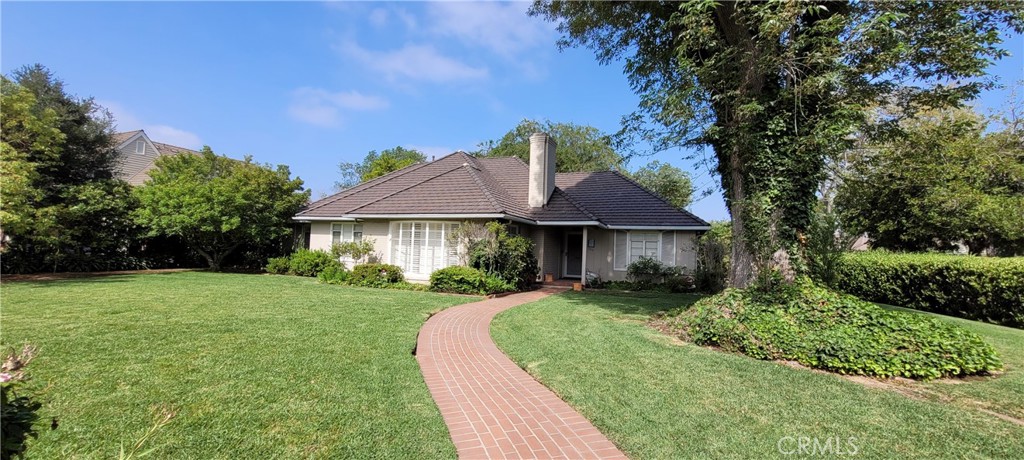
(621,256)
(668,248)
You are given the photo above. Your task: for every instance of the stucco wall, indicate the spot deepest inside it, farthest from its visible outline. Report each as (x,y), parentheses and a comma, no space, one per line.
(320,236)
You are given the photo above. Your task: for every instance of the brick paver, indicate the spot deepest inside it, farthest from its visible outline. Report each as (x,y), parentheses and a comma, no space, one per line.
(492,407)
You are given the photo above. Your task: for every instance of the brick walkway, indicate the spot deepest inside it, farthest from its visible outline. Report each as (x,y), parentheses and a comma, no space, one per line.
(492,407)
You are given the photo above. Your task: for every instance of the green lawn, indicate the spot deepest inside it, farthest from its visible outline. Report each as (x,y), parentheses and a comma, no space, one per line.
(656,397)
(255,366)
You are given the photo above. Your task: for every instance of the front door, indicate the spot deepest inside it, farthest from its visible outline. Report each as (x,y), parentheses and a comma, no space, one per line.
(573,266)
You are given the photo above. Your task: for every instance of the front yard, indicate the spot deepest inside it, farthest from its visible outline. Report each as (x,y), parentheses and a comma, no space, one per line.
(271,366)
(253,366)
(657,397)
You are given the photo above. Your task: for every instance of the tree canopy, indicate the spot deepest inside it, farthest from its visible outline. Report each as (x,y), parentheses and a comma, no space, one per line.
(669,182)
(946,180)
(62,209)
(774,87)
(376,164)
(216,204)
(580,148)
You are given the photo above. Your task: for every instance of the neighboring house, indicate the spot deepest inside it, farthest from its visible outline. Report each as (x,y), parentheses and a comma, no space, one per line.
(139,154)
(581,222)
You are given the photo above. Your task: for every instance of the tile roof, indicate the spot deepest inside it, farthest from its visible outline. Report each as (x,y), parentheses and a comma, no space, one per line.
(462,184)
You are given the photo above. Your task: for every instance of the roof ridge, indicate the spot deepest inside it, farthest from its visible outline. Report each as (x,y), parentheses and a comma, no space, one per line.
(577,204)
(474,173)
(659,197)
(396,192)
(367,185)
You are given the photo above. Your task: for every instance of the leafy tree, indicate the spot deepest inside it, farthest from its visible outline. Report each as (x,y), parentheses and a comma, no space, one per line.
(945,180)
(62,209)
(27,134)
(376,165)
(216,204)
(580,148)
(671,183)
(774,87)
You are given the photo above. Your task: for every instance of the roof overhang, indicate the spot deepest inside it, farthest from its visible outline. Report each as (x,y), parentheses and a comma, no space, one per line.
(660,227)
(541,223)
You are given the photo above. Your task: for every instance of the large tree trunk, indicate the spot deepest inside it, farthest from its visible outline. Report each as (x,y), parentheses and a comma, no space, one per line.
(741,260)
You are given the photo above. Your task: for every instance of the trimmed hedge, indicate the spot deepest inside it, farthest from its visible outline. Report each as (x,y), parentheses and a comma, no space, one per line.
(827,330)
(310,263)
(467,280)
(979,288)
(376,275)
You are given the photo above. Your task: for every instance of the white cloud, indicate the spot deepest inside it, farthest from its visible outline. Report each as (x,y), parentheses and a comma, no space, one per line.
(127,121)
(503,28)
(413,62)
(320,107)
(173,136)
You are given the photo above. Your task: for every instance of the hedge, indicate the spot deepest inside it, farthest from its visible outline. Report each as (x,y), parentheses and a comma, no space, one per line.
(979,288)
(467,280)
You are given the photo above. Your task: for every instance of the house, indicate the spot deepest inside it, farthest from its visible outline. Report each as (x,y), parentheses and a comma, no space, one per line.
(139,154)
(581,223)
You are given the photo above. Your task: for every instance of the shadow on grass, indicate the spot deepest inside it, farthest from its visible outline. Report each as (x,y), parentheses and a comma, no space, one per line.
(631,303)
(73,279)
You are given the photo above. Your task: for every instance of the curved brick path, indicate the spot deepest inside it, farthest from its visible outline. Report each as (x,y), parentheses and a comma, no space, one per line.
(493,408)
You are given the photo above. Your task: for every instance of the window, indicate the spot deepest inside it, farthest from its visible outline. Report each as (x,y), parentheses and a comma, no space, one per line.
(420,248)
(643,244)
(343,233)
(630,246)
(140,146)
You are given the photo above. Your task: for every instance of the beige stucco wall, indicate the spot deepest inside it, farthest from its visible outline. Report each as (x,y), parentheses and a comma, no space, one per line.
(320,236)
(600,258)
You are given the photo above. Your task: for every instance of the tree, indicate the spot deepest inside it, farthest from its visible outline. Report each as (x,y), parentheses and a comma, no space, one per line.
(669,182)
(946,180)
(215,204)
(774,87)
(376,165)
(580,148)
(62,209)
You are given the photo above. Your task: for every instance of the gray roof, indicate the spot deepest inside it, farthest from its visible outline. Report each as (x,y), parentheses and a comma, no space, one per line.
(460,184)
(134,168)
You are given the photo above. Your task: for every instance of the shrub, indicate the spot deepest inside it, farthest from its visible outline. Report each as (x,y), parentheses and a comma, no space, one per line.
(458,279)
(375,275)
(823,329)
(645,272)
(18,409)
(825,245)
(358,251)
(334,274)
(507,257)
(278,265)
(712,260)
(979,288)
(310,263)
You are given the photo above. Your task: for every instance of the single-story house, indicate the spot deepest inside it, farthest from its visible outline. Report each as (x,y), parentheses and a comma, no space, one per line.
(138,155)
(581,223)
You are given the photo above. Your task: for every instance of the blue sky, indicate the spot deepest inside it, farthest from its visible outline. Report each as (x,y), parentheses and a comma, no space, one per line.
(311,85)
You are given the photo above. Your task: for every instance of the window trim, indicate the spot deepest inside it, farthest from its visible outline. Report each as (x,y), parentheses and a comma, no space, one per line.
(395,232)
(629,247)
(140,143)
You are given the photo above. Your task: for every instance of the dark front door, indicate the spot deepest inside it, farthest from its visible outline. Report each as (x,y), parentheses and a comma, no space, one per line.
(573,255)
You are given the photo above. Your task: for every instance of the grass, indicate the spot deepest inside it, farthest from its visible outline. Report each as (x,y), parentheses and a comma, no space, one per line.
(253,366)
(657,397)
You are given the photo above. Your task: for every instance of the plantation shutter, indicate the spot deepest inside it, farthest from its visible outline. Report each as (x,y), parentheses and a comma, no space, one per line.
(621,253)
(668,248)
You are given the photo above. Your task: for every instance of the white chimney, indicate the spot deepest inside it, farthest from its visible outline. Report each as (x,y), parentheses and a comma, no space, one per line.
(542,169)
